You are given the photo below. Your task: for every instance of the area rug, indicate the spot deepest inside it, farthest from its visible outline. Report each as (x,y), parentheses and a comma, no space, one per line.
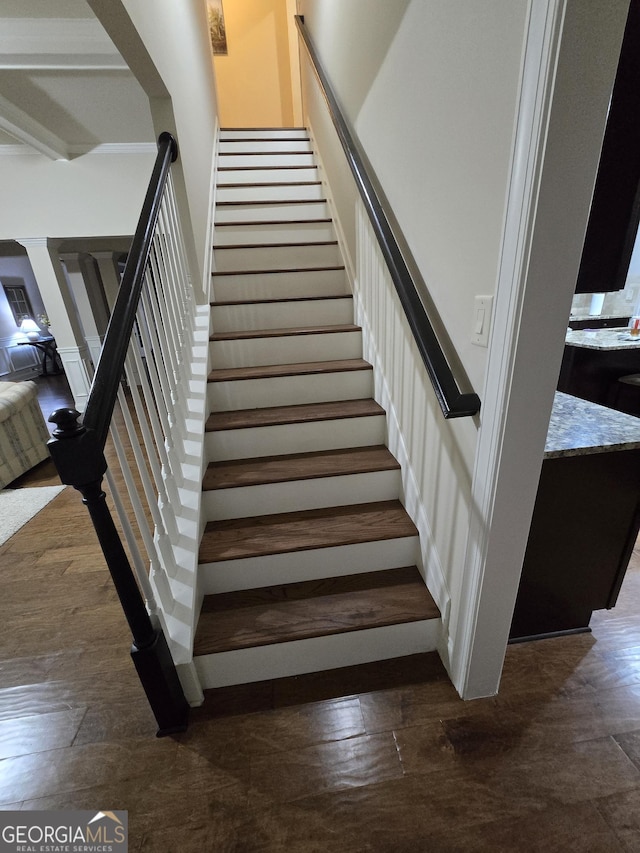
(17,506)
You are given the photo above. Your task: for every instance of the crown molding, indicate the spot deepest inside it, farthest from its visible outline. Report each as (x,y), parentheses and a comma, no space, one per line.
(112,148)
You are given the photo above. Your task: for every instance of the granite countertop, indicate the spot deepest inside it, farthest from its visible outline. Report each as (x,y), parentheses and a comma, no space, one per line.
(594,317)
(578,427)
(601,339)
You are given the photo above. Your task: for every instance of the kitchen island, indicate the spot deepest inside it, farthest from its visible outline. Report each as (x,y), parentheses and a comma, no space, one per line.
(585,521)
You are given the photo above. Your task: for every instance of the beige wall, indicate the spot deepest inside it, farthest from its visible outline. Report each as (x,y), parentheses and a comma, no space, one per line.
(254,79)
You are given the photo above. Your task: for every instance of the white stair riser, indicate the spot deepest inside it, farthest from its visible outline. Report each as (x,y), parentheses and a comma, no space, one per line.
(280,192)
(292,232)
(289,390)
(263,160)
(281,315)
(272,211)
(314,564)
(253,175)
(295,438)
(285,350)
(315,493)
(277,257)
(267,146)
(279,285)
(244,666)
(264,133)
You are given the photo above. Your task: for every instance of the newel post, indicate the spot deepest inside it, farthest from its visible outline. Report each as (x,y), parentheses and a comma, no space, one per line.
(80,463)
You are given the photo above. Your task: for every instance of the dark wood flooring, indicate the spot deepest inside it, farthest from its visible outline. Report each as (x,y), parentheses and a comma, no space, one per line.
(383,758)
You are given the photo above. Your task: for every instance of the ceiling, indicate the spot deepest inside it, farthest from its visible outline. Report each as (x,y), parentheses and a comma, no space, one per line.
(64,88)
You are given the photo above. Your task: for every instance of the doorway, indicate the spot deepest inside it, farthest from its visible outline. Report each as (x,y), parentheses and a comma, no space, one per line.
(258,78)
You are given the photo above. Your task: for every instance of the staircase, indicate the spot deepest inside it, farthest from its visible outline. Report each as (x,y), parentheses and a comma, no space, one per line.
(308,558)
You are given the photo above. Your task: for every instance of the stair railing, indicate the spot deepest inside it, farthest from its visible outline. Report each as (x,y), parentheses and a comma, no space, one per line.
(453,402)
(138,396)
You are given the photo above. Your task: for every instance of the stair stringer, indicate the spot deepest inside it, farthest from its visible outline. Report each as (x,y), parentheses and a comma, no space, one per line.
(180,598)
(428,562)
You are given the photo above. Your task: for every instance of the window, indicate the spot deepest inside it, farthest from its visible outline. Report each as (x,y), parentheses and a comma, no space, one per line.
(18,302)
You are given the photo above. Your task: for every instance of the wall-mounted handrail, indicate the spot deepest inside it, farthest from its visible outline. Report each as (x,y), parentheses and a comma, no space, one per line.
(453,402)
(77,449)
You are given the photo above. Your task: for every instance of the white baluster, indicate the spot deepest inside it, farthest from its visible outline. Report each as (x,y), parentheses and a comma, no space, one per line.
(165,549)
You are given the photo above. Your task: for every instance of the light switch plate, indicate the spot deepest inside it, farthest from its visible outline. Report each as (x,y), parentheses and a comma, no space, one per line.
(482,308)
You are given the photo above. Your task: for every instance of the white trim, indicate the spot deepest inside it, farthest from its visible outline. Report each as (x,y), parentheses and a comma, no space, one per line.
(19,150)
(213,190)
(190,682)
(542,44)
(53,62)
(149,148)
(528,320)
(78,369)
(23,127)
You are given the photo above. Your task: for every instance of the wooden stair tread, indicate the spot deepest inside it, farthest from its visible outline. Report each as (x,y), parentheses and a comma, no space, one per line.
(280,415)
(263,470)
(269,184)
(282,300)
(266,139)
(272,202)
(253,222)
(261,168)
(240,620)
(262,129)
(279,272)
(277,245)
(274,153)
(280,533)
(290,331)
(227,374)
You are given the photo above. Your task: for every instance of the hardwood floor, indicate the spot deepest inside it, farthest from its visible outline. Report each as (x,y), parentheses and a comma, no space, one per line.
(382,758)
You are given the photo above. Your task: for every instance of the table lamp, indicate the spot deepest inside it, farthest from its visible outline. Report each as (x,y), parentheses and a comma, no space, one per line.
(30,328)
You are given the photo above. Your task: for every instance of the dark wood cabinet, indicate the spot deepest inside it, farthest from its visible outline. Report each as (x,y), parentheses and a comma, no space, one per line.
(600,323)
(592,374)
(585,524)
(615,206)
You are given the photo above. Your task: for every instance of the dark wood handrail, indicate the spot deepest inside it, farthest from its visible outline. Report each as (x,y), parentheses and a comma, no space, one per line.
(104,389)
(453,402)
(77,450)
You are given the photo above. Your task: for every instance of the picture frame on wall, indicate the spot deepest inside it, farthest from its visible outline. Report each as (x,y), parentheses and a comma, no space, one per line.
(217,31)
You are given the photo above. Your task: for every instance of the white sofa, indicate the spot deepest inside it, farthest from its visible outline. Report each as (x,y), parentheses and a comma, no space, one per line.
(23,432)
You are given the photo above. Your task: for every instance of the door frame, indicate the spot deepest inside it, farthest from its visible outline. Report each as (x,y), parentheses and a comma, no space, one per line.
(569,62)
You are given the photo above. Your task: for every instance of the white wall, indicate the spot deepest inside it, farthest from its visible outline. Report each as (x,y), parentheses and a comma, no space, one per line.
(92,195)
(431,89)
(176,37)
